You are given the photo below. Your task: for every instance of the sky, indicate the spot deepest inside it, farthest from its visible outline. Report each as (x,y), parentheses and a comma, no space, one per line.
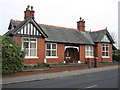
(98,14)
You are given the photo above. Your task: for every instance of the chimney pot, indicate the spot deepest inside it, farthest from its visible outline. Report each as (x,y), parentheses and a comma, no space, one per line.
(81,24)
(28,13)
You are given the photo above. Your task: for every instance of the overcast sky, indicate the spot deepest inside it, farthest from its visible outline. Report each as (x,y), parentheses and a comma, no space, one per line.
(98,14)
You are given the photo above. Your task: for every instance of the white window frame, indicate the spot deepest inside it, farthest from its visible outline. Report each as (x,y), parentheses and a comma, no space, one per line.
(88,51)
(105,51)
(27,57)
(51,50)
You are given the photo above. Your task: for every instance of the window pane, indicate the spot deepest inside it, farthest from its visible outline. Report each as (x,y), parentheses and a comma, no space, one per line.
(25,39)
(25,45)
(32,45)
(90,47)
(106,45)
(32,39)
(103,53)
(103,45)
(91,53)
(53,53)
(32,52)
(48,46)
(26,52)
(87,47)
(106,53)
(103,48)
(106,48)
(87,53)
(53,46)
(48,53)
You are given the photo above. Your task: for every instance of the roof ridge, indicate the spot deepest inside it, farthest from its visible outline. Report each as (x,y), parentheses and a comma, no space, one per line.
(47,25)
(16,20)
(99,30)
(58,26)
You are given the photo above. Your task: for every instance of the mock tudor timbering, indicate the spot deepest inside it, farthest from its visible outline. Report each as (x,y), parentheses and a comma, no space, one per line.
(53,44)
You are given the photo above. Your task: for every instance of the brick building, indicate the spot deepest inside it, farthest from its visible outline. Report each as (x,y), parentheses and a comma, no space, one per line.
(53,44)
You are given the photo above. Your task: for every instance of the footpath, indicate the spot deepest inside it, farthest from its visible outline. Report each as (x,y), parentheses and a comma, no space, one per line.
(44,76)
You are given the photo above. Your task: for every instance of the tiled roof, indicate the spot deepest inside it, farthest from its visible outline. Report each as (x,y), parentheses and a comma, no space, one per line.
(64,35)
(98,35)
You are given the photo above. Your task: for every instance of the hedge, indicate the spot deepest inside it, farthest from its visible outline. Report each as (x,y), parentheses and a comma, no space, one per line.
(12,56)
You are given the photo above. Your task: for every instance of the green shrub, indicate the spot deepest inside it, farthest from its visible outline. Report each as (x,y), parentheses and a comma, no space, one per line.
(12,56)
(116,55)
(38,65)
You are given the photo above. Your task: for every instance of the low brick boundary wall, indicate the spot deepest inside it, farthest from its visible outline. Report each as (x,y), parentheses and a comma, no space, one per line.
(56,69)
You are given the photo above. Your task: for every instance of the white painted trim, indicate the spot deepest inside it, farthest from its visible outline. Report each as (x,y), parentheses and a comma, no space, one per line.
(50,49)
(89,56)
(31,57)
(105,50)
(51,57)
(29,46)
(105,57)
(89,51)
(72,47)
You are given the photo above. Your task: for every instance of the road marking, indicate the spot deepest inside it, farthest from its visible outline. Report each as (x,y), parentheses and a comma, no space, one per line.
(92,86)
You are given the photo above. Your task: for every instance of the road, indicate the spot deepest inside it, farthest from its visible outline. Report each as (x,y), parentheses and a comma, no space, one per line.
(103,79)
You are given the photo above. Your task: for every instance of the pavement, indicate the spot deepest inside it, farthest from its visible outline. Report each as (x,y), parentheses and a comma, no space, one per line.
(33,77)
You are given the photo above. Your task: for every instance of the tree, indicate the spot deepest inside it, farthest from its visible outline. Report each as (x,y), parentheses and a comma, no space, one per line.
(12,56)
(116,55)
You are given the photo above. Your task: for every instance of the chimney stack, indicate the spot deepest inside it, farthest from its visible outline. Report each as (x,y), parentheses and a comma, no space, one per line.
(81,25)
(28,13)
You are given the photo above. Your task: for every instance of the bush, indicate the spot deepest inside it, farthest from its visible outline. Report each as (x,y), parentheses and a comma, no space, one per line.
(38,65)
(116,56)
(12,56)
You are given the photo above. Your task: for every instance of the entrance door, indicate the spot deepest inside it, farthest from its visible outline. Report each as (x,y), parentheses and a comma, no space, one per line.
(71,55)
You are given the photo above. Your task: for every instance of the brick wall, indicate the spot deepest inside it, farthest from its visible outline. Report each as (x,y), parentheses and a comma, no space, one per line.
(40,50)
(17,39)
(60,55)
(40,53)
(82,53)
(98,52)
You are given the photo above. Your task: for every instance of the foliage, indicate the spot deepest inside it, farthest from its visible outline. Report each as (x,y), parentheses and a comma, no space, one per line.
(39,65)
(116,55)
(12,56)
(104,62)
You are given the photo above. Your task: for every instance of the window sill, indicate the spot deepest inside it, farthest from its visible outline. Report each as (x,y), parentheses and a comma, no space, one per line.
(105,57)
(31,57)
(51,57)
(89,57)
